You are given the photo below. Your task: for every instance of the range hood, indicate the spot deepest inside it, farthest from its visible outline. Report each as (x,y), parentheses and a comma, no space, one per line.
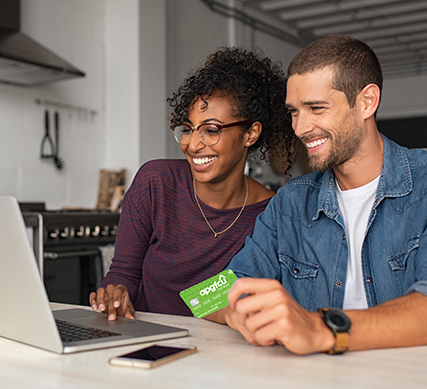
(23,61)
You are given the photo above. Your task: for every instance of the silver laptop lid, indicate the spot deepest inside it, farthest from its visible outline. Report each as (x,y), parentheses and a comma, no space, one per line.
(22,294)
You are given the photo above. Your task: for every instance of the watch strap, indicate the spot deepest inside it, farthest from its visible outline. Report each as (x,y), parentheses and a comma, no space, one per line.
(342,340)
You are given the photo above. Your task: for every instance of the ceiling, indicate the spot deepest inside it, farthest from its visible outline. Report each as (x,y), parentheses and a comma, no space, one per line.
(395,29)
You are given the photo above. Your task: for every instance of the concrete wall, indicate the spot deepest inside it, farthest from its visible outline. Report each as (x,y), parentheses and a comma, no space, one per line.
(404,97)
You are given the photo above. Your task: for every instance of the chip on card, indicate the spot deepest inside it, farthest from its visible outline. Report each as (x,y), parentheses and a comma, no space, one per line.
(210,295)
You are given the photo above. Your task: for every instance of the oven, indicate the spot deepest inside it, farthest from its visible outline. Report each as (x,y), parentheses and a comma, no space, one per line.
(71,249)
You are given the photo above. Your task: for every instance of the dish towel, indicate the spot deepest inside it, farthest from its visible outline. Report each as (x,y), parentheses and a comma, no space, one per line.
(107,254)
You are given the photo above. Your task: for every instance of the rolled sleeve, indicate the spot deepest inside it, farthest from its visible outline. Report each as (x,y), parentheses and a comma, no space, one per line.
(420,286)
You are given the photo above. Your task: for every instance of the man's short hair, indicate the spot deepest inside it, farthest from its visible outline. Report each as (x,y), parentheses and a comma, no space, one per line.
(354,63)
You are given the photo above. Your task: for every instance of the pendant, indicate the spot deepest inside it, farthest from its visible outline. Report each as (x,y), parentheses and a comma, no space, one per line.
(215,235)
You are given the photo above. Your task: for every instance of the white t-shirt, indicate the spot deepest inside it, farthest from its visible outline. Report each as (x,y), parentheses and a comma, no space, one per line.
(355,206)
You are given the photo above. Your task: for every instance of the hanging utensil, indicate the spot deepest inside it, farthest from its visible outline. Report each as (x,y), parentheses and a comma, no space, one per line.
(47,141)
(59,162)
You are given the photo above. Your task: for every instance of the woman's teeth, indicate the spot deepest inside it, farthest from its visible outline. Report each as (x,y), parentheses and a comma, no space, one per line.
(315,143)
(203,161)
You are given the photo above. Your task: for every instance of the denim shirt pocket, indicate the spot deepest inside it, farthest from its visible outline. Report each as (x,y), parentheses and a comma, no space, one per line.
(298,278)
(398,261)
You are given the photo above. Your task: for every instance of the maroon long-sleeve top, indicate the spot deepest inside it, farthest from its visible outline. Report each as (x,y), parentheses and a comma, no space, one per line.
(164,245)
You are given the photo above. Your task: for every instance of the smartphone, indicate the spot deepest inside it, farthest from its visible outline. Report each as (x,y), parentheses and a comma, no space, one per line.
(152,356)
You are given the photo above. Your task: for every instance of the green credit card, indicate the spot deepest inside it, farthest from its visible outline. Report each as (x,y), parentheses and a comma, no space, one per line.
(210,295)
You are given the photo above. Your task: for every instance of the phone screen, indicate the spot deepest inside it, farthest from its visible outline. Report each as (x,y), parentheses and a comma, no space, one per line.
(153,353)
(152,356)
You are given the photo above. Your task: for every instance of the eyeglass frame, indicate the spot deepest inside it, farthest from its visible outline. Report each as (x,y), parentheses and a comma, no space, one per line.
(220,128)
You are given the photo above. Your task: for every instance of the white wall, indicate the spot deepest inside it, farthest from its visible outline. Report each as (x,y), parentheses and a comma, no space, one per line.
(74,29)
(120,45)
(154,127)
(122,76)
(136,116)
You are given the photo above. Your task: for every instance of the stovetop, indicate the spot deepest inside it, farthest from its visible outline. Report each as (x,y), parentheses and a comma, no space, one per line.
(73,226)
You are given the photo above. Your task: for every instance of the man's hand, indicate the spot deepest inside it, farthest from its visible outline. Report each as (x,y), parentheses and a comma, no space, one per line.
(268,314)
(113,300)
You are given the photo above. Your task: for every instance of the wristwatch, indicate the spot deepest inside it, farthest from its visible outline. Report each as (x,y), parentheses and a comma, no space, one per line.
(339,323)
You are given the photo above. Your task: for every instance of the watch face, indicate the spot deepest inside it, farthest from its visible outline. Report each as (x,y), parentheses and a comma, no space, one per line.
(338,319)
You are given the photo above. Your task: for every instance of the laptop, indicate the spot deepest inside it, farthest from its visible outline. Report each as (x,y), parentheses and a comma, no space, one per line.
(29,318)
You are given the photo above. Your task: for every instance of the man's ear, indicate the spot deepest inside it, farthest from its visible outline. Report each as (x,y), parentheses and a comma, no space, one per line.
(252,135)
(370,100)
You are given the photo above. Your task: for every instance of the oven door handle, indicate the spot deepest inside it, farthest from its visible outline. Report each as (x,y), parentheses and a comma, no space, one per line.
(68,254)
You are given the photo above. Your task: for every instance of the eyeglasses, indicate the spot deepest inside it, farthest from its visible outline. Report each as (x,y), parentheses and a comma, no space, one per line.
(209,133)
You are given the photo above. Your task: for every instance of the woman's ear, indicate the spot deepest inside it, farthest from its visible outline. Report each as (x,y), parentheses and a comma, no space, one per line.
(370,98)
(252,135)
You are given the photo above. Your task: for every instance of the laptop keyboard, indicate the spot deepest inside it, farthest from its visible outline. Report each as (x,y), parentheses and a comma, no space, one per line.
(71,333)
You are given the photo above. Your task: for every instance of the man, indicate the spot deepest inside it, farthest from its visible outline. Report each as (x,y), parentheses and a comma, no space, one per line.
(350,236)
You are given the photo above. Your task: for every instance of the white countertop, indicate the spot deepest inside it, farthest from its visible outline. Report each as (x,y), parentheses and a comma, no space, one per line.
(224,360)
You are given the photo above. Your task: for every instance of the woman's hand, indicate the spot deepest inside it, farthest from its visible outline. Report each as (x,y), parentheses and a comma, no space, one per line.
(113,300)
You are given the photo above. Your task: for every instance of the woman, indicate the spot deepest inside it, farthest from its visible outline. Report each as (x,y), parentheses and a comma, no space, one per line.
(183,220)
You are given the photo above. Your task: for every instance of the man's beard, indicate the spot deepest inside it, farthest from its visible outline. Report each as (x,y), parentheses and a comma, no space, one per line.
(342,149)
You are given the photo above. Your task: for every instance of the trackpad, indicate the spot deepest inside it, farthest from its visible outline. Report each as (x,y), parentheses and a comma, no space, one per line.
(94,319)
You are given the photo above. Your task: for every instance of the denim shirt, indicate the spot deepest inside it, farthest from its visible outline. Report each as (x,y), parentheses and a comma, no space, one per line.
(300,239)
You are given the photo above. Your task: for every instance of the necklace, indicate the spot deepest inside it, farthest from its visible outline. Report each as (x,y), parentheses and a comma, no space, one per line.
(206,219)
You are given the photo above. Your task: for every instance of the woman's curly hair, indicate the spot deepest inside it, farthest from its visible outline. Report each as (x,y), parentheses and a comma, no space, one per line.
(256,85)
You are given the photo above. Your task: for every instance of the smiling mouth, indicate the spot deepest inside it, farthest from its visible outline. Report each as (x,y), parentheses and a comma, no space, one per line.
(315,143)
(203,161)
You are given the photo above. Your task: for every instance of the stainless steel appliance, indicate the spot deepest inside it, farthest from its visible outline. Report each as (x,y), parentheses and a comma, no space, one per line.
(23,61)
(64,240)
